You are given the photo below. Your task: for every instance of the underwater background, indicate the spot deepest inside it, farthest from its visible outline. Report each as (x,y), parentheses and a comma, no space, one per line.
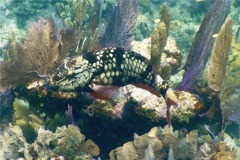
(194,45)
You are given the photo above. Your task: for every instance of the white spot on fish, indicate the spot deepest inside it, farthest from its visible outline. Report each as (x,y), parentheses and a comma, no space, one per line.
(117,73)
(112,50)
(110,80)
(131,62)
(98,57)
(111,55)
(108,74)
(102,75)
(105,81)
(105,67)
(122,66)
(124,55)
(134,63)
(110,66)
(127,61)
(112,73)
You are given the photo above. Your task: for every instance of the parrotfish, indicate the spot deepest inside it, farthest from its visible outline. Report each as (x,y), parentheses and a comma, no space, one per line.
(102,71)
(107,67)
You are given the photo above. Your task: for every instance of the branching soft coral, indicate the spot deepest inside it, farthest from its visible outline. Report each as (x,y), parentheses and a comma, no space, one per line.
(42,51)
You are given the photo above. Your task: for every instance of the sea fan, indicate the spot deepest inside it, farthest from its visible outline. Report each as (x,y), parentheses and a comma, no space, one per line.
(119,30)
(40,54)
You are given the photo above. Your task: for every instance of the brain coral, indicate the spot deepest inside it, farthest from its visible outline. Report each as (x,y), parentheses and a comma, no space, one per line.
(175,146)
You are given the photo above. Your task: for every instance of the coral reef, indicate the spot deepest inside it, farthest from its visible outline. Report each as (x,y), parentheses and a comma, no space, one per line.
(13,144)
(162,143)
(188,106)
(171,55)
(112,123)
(149,106)
(6,100)
(202,44)
(25,118)
(66,142)
(76,14)
(230,105)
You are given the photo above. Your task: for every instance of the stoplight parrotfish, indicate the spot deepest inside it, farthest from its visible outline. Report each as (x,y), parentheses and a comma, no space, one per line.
(97,71)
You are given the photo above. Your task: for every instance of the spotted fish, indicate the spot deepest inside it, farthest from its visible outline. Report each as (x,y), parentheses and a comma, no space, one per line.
(107,67)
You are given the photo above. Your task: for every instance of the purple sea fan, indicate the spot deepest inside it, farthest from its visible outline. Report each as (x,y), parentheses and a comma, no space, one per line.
(119,30)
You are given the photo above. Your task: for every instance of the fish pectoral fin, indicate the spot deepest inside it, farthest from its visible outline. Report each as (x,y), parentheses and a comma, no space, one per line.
(99,96)
(104,92)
